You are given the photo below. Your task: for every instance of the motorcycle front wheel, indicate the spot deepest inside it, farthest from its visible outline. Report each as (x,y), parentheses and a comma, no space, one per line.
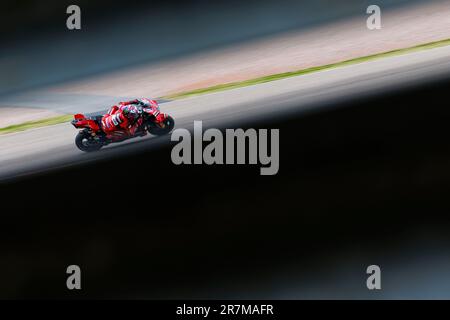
(169,124)
(85,142)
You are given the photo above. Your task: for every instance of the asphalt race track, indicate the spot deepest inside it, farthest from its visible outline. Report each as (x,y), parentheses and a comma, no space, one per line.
(52,147)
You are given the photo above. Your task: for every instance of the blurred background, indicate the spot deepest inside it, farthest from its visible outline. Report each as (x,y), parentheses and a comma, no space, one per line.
(38,49)
(363,180)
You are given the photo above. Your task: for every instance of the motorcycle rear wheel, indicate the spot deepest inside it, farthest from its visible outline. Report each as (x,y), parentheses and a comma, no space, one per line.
(85,142)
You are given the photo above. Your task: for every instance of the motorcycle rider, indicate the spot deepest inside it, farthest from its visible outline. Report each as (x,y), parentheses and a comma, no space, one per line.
(123,119)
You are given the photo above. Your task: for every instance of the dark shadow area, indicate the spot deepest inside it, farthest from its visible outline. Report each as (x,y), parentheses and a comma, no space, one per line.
(358,183)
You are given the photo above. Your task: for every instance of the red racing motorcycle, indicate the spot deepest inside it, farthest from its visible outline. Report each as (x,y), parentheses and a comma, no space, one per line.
(92,137)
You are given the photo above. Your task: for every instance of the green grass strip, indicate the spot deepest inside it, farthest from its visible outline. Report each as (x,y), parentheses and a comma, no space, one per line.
(278,76)
(35,124)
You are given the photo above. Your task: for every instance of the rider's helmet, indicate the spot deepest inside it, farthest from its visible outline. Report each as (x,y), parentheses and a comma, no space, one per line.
(131,112)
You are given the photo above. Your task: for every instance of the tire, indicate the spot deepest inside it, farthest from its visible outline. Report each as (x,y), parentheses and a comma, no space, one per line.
(86,146)
(157,131)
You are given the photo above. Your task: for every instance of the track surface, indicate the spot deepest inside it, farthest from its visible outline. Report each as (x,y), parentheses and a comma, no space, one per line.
(41,149)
